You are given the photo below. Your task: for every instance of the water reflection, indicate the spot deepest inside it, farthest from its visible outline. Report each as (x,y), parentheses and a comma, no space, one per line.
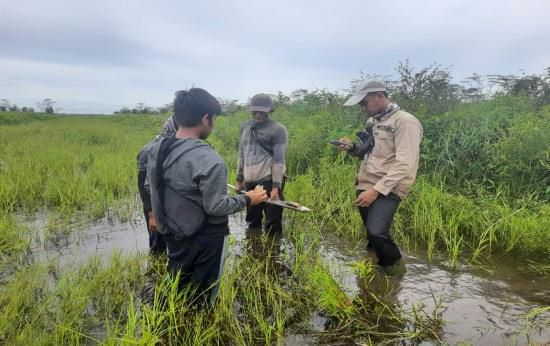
(482,306)
(267,247)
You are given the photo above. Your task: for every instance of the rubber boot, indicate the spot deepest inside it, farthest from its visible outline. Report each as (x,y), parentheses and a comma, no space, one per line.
(397,269)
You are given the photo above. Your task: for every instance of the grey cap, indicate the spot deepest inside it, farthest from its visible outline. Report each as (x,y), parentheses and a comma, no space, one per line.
(261,103)
(363,89)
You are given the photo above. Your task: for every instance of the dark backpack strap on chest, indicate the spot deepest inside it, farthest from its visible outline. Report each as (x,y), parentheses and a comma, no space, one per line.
(163,152)
(264,147)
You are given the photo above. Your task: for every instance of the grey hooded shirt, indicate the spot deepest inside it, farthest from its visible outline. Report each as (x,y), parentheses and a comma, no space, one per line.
(262,151)
(200,174)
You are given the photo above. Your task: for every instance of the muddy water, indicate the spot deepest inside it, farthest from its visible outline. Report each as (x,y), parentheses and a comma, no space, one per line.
(85,241)
(482,305)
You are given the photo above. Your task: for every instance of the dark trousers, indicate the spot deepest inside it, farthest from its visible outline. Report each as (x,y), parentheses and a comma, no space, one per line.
(199,260)
(273,213)
(377,219)
(157,245)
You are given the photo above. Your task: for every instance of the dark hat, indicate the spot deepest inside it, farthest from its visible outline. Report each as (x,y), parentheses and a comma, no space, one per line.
(261,103)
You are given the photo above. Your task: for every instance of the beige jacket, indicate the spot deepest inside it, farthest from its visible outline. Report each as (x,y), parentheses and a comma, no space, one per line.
(393,162)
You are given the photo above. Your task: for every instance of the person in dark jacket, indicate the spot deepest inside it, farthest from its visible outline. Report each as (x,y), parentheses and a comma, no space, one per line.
(188,182)
(157,244)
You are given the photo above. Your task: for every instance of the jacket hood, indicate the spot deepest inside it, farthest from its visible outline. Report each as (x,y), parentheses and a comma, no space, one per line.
(180,147)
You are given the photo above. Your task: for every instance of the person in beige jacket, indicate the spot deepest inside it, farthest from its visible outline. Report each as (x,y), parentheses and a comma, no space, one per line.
(390,149)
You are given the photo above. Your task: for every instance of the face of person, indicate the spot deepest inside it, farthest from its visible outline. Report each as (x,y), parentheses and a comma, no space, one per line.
(260,117)
(373,103)
(207,126)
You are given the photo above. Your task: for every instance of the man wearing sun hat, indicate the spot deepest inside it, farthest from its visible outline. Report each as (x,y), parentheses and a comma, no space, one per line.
(390,149)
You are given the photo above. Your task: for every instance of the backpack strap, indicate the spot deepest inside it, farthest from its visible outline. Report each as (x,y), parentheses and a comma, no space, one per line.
(253,130)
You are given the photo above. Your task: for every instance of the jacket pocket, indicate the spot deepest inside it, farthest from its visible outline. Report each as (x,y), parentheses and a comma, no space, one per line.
(383,143)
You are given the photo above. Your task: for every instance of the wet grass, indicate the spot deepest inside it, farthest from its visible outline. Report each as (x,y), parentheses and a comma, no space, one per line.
(14,242)
(77,169)
(432,218)
(107,302)
(85,167)
(536,320)
(41,306)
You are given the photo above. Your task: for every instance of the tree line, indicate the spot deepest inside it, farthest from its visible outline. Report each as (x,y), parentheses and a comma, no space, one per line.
(429,90)
(45,106)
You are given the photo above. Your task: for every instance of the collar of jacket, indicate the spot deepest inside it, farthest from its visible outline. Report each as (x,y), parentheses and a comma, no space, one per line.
(391,109)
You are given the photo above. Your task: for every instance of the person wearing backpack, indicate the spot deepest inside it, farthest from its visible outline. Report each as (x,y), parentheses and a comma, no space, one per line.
(262,150)
(157,246)
(188,182)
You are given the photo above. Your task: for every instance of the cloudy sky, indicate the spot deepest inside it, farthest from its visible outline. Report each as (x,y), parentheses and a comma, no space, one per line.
(97,56)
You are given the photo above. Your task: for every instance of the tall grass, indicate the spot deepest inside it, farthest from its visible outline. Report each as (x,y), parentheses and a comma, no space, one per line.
(41,306)
(71,163)
(431,217)
(483,189)
(14,241)
(103,302)
(483,186)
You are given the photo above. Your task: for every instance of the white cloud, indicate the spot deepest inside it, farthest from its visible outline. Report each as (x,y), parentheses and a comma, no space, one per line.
(100,55)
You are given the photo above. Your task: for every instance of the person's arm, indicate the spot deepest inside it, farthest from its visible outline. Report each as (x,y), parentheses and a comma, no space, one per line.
(213,187)
(143,193)
(350,147)
(408,136)
(353,151)
(278,166)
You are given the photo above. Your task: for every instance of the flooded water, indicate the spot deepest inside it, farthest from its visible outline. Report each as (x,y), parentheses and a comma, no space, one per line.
(101,239)
(482,305)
